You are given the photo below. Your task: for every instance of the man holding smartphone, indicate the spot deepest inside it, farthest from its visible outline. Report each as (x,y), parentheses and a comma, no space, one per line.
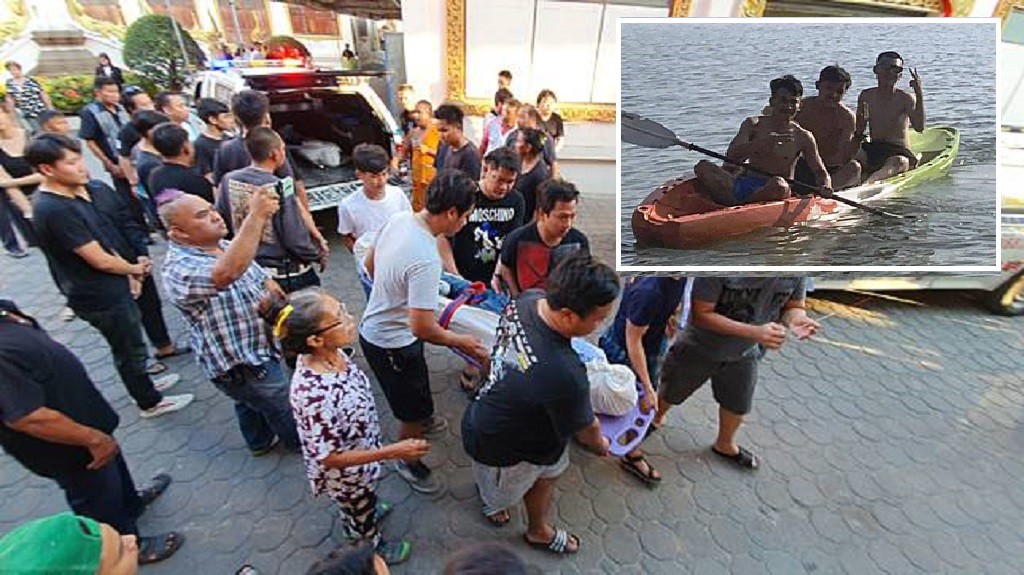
(286,248)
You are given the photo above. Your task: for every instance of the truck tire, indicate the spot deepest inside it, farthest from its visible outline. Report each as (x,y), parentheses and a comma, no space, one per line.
(1007,299)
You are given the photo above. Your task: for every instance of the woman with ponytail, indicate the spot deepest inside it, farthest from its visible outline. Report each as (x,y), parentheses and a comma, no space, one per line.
(335,412)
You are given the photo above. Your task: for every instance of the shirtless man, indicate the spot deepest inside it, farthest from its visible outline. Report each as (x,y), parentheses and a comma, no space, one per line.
(771,143)
(832,123)
(889,111)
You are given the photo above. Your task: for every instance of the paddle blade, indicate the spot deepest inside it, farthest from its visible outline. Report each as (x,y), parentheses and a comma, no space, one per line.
(640,131)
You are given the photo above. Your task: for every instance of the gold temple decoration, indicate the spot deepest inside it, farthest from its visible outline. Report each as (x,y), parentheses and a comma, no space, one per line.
(455,75)
(679,8)
(1005,6)
(16,18)
(753,8)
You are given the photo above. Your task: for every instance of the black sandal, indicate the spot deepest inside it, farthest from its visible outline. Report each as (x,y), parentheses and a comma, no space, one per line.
(743,458)
(183,350)
(149,494)
(632,465)
(156,548)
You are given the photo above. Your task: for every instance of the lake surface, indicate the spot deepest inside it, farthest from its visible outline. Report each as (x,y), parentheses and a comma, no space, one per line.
(702,80)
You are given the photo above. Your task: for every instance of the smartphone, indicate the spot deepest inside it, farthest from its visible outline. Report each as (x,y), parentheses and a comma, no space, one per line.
(285,188)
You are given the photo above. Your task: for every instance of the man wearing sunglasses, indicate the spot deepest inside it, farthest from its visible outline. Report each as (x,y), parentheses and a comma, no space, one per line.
(890,112)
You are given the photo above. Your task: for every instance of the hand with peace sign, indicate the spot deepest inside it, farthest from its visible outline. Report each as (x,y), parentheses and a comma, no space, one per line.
(915,81)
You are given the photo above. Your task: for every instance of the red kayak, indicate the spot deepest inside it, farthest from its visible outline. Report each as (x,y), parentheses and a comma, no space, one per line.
(676,216)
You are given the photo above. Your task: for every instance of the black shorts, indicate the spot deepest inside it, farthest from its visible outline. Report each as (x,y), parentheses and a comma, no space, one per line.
(879,152)
(802,173)
(686,370)
(403,376)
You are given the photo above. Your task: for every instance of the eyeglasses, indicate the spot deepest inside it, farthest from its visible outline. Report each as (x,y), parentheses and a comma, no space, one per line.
(345,318)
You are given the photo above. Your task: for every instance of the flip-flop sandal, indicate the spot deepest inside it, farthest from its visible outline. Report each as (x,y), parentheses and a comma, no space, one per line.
(182,350)
(156,548)
(499,518)
(156,368)
(559,544)
(632,465)
(394,552)
(155,489)
(743,458)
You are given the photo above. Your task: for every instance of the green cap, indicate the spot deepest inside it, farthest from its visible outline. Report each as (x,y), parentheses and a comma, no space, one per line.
(60,544)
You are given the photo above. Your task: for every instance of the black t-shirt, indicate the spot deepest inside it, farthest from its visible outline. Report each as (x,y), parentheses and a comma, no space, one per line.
(477,245)
(129,237)
(232,155)
(128,136)
(527,184)
(36,372)
(181,178)
(90,130)
(465,158)
(531,260)
(537,395)
(64,224)
(145,163)
(553,126)
(206,150)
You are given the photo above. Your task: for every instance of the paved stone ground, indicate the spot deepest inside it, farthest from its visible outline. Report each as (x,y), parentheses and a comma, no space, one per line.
(891,443)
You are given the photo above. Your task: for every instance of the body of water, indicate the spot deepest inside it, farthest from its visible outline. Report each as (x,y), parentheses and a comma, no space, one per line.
(702,80)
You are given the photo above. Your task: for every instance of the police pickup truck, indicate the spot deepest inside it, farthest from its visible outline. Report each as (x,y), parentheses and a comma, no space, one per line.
(321,114)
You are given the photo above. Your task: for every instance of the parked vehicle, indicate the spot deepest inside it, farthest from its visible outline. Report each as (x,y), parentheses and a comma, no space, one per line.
(322,115)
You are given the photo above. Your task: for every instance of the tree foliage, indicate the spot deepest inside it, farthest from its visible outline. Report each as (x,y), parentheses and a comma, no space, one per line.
(151,49)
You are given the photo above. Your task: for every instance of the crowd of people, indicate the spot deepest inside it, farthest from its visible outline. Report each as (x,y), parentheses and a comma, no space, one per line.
(242,267)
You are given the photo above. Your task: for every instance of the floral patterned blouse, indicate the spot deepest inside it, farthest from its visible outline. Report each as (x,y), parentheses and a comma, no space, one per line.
(335,412)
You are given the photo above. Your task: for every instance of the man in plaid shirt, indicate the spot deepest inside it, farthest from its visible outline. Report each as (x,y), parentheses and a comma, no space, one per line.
(218,289)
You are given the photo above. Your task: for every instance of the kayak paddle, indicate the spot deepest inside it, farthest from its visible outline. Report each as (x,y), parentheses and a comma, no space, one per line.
(647,133)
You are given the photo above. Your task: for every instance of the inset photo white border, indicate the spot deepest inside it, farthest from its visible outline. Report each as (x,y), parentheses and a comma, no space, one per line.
(994,267)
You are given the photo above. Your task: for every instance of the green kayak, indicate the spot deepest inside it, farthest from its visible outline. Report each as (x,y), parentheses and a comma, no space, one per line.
(936,149)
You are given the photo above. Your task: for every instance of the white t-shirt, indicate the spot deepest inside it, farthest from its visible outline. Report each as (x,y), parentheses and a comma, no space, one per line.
(358,214)
(406,272)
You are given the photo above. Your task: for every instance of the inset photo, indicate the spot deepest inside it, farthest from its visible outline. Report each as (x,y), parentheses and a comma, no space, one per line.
(852,144)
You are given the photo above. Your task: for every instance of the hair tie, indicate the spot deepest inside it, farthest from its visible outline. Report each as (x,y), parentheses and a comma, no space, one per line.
(282,316)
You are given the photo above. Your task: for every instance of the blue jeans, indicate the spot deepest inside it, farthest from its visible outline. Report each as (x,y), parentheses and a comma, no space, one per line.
(261,404)
(107,495)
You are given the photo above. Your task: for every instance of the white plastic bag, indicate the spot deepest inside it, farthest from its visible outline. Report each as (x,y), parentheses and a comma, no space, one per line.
(612,388)
(322,154)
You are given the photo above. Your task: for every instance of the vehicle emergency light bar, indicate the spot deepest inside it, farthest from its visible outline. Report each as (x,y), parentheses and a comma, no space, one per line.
(283,63)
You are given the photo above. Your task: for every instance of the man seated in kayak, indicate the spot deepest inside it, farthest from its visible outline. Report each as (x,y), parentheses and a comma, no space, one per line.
(832,123)
(770,143)
(889,112)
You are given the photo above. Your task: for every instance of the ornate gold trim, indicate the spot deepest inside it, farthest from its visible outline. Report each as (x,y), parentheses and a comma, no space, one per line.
(1003,8)
(679,8)
(455,75)
(753,8)
(962,8)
